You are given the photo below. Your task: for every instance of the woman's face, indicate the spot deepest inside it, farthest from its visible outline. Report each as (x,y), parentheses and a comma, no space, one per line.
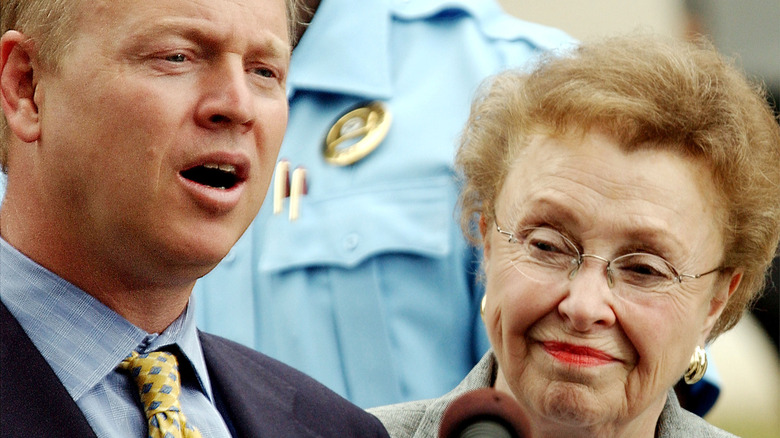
(576,352)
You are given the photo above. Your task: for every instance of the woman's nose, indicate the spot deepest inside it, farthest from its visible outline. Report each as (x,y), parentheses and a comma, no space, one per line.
(587,304)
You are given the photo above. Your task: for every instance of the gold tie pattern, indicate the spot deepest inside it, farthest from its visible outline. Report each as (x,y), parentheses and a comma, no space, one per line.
(157,377)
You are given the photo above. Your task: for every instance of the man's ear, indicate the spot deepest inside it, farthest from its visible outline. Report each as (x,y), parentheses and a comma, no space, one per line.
(718,301)
(17,86)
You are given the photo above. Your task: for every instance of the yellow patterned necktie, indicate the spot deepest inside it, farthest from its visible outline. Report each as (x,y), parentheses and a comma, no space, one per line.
(157,377)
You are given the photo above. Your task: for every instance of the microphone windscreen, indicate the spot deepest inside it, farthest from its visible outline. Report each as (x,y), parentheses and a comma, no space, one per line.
(483,412)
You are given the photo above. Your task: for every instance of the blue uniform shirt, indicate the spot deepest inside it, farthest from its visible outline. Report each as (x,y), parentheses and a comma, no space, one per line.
(372,289)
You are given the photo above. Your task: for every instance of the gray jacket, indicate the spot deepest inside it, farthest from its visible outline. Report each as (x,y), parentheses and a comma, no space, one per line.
(420,419)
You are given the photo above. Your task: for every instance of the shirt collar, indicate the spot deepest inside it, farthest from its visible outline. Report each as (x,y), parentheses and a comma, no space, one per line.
(184,334)
(82,339)
(418,9)
(353,49)
(345,45)
(494,21)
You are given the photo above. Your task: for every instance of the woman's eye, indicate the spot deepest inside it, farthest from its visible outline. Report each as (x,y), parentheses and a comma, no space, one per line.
(646,266)
(546,240)
(642,270)
(177,57)
(546,246)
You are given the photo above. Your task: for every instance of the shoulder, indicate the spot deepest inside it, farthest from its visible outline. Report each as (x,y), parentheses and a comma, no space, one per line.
(253,365)
(422,418)
(676,421)
(406,419)
(217,348)
(264,384)
(495,23)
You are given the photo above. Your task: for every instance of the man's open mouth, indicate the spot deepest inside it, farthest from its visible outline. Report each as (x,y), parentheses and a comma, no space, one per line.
(218,176)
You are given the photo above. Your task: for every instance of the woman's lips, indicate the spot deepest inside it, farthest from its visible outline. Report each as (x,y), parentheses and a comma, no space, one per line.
(577,355)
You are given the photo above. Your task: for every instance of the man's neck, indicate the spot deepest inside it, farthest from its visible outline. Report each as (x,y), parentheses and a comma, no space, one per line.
(152,310)
(150,302)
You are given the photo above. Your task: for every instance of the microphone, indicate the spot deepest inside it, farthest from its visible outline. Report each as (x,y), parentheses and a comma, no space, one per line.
(483,413)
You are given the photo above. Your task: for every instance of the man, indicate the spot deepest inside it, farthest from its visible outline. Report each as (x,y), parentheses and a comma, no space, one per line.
(140,140)
(370,287)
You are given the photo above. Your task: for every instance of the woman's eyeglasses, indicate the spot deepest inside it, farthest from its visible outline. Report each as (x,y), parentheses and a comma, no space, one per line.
(544,254)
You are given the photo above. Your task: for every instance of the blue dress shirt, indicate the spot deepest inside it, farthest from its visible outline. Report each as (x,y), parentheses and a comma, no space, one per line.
(372,289)
(84,341)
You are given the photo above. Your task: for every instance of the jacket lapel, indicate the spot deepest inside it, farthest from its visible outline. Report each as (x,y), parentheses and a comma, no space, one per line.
(33,402)
(253,400)
(481,376)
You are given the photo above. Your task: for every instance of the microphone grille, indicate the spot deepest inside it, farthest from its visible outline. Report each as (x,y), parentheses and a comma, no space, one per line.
(483,412)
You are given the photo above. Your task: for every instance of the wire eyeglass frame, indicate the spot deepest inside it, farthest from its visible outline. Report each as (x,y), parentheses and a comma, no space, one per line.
(638,270)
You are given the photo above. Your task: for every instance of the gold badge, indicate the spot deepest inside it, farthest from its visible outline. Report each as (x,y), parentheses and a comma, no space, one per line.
(356,134)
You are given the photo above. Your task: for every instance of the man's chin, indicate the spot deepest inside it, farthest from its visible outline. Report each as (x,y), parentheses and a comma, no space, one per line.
(201,257)
(196,247)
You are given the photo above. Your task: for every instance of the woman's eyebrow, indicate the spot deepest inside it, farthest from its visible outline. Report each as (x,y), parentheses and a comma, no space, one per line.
(638,236)
(542,209)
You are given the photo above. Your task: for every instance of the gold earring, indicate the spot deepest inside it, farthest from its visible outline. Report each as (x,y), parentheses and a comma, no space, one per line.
(697,367)
(482,306)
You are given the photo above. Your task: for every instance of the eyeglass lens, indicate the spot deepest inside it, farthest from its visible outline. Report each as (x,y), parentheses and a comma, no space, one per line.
(544,254)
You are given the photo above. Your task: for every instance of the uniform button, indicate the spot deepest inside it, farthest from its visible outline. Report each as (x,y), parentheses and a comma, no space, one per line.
(231,255)
(351,241)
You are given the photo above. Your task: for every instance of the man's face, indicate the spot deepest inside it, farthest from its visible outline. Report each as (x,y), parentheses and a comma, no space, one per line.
(160,130)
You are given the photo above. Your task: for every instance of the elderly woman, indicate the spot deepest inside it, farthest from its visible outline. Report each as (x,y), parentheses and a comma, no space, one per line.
(627,196)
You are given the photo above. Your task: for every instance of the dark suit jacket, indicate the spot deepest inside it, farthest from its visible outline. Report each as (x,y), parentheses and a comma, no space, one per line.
(259,396)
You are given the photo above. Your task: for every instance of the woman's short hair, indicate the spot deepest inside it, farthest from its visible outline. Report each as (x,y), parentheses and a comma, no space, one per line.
(645,92)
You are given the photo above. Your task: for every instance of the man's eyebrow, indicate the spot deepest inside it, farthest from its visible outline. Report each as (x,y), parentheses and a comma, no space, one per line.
(271,47)
(266,44)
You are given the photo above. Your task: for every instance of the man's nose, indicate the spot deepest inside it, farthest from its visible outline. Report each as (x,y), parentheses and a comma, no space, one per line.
(228,99)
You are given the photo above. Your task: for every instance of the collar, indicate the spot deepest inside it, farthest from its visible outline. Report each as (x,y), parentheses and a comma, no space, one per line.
(483,375)
(344,44)
(494,21)
(79,337)
(421,9)
(350,41)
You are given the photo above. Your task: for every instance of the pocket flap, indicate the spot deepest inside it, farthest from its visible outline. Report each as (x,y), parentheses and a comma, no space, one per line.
(346,229)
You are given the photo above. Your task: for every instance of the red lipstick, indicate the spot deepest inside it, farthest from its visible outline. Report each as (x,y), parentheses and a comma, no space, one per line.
(577,355)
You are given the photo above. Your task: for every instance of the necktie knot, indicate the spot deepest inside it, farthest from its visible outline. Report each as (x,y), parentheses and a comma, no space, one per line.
(157,376)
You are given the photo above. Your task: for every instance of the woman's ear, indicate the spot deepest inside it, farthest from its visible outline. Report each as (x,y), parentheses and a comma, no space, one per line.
(17,86)
(483,231)
(723,292)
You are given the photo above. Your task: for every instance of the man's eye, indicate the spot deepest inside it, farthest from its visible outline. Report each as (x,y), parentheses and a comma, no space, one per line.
(178,57)
(264,72)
